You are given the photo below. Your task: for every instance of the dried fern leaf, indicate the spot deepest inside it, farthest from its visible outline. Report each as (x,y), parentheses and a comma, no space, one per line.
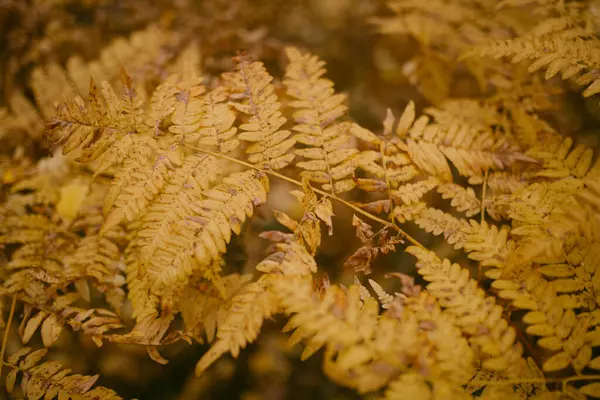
(241,323)
(251,87)
(202,237)
(49,379)
(330,157)
(461,297)
(214,125)
(463,199)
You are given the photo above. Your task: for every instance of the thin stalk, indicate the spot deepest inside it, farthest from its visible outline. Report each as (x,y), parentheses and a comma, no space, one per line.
(5,336)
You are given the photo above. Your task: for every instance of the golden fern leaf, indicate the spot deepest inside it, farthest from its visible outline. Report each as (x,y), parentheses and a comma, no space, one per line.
(138,186)
(358,342)
(215,126)
(241,323)
(146,55)
(489,245)
(257,299)
(203,305)
(49,379)
(411,193)
(50,327)
(463,199)
(414,386)
(176,203)
(552,319)
(290,256)
(99,260)
(437,222)
(561,160)
(391,165)
(36,266)
(94,322)
(202,237)
(472,148)
(564,44)
(96,125)
(460,296)
(396,166)
(143,306)
(534,207)
(121,132)
(251,86)
(502,181)
(189,107)
(315,323)
(331,158)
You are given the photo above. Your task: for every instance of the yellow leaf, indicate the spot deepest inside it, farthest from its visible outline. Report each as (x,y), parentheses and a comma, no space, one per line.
(324,211)
(51,329)
(363,134)
(353,357)
(72,196)
(10,380)
(541,330)
(595,363)
(32,325)
(406,120)
(592,89)
(592,390)
(557,362)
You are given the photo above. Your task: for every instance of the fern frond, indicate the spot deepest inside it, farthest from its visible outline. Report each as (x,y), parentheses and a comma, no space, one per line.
(461,297)
(463,199)
(49,379)
(177,202)
(571,50)
(99,260)
(241,323)
(561,160)
(200,238)
(203,305)
(94,322)
(414,386)
(251,85)
(489,245)
(549,317)
(413,192)
(472,149)
(214,126)
(140,182)
(145,54)
(331,158)
(359,343)
(435,221)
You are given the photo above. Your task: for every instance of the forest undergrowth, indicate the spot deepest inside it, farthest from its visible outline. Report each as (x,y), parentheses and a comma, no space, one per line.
(300,199)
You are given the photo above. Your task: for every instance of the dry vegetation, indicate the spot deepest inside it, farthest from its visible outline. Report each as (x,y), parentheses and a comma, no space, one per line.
(304,199)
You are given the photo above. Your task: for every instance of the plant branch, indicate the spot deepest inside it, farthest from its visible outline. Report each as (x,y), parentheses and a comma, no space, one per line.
(6,329)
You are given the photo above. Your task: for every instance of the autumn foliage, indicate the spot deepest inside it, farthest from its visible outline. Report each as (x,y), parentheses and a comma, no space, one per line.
(202,183)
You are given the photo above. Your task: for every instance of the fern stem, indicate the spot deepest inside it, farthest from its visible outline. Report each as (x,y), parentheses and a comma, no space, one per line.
(5,336)
(321,192)
(387,179)
(483,195)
